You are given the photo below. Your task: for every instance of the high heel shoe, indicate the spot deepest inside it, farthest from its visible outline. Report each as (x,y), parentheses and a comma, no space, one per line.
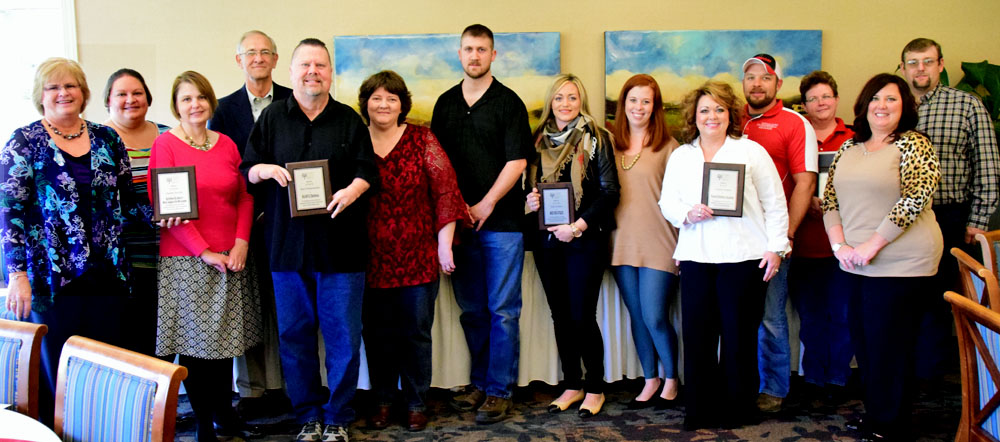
(558,406)
(586,413)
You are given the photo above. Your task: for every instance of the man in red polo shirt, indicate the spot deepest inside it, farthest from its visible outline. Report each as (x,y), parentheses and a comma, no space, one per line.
(791,142)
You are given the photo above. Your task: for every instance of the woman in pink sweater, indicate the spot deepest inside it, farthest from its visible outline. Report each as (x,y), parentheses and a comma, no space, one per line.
(209,310)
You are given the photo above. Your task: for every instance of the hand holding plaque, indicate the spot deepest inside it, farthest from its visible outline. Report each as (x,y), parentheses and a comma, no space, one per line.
(557,204)
(309,191)
(175,193)
(722,188)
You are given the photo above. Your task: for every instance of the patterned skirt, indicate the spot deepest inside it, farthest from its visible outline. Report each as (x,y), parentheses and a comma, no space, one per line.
(205,313)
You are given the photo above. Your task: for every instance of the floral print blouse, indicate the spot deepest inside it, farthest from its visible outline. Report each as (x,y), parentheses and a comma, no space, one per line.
(41,229)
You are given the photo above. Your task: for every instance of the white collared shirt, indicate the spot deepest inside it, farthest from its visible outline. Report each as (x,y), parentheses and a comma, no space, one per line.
(257,104)
(764,224)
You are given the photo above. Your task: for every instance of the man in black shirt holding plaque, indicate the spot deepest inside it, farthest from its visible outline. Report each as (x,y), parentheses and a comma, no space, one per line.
(318,261)
(483,127)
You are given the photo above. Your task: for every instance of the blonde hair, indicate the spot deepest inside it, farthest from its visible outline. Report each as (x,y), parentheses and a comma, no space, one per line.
(201,83)
(54,67)
(561,81)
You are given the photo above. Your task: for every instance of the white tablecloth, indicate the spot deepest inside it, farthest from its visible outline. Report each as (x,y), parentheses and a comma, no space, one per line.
(14,425)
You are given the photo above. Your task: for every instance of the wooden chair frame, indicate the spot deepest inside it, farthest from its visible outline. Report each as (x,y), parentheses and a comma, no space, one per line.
(989,253)
(28,362)
(968,314)
(967,266)
(167,376)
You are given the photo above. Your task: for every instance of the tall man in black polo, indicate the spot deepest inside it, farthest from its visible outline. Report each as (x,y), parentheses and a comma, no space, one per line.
(318,261)
(483,127)
(258,372)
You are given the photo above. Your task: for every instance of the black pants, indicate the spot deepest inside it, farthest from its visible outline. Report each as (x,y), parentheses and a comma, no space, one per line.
(209,388)
(89,306)
(721,301)
(571,275)
(935,354)
(397,330)
(883,322)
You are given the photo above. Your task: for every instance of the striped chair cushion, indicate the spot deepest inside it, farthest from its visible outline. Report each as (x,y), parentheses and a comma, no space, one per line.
(9,349)
(103,404)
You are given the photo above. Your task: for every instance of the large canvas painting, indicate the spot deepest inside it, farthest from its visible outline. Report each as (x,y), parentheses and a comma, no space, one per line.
(526,62)
(682,60)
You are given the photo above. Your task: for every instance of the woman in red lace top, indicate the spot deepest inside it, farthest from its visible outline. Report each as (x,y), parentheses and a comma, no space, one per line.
(411,225)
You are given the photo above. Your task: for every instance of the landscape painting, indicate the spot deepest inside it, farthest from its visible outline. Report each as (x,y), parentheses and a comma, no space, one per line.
(682,60)
(526,63)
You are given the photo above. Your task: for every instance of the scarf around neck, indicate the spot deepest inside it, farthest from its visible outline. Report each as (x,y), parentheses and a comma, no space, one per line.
(574,144)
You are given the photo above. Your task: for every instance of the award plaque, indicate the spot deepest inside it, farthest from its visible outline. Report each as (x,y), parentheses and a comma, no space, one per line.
(175,194)
(556,204)
(722,188)
(309,192)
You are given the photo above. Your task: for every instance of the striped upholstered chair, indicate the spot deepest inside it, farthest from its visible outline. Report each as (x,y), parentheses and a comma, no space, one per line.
(106,393)
(977,328)
(978,282)
(20,355)
(990,243)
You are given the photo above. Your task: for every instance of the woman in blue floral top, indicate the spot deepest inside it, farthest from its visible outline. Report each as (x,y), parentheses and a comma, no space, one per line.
(65,196)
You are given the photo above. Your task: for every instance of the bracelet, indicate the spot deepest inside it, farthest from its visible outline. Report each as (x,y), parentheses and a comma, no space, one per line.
(15,276)
(576,232)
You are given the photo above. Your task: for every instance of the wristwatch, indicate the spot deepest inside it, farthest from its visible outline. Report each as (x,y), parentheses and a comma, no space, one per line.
(837,246)
(576,232)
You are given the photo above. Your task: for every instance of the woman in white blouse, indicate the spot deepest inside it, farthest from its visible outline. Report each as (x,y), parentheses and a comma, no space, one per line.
(725,261)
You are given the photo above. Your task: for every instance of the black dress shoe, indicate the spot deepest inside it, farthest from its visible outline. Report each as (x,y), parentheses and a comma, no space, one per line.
(639,405)
(855,424)
(240,429)
(661,404)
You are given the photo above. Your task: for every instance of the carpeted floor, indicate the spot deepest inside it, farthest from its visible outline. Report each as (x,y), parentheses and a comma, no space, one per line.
(935,418)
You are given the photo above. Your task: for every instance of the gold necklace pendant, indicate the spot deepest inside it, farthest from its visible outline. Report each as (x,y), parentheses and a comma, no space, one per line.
(634,160)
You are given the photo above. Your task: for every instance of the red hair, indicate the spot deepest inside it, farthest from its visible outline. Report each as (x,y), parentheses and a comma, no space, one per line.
(657,135)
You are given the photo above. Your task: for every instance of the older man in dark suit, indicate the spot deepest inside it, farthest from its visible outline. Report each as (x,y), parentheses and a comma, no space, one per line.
(259,371)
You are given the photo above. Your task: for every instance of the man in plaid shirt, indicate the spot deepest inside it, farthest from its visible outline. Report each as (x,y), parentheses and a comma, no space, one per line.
(960,129)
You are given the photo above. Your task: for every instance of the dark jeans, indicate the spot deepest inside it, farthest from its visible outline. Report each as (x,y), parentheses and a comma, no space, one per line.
(330,303)
(208,388)
(571,275)
(397,332)
(883,320)
(89,306)
(721,302)
(816,287)
(935,354)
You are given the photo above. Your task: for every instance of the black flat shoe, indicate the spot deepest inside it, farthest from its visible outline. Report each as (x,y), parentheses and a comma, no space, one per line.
(639,405)
(661,404)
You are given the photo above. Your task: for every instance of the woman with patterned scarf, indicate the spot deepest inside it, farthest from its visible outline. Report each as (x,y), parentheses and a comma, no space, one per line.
(571,258)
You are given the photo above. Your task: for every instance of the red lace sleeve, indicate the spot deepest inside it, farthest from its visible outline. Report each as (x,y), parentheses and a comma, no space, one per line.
(448,203)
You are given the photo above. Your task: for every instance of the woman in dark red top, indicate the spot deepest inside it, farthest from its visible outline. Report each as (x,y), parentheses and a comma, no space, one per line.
(411,225)
(813,274)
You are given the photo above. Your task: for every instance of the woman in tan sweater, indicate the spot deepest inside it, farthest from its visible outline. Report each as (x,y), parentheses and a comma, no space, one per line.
(877,211)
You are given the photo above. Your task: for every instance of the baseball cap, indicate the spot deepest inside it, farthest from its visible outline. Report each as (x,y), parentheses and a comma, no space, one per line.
(767,61)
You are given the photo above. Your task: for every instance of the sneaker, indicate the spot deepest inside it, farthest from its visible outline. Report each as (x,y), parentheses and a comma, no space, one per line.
(471,400)
(311,432)
(495,409)
(768,404)
(335,433)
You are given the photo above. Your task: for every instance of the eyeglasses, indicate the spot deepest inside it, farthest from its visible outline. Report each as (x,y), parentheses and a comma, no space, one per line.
(252,53)
(812,100)
(929,62)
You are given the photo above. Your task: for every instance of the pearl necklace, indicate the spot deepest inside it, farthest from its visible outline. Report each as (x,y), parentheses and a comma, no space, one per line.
(83,126)
(634,160)
(202,147)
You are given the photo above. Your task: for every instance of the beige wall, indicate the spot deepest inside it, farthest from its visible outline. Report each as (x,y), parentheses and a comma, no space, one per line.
(163,38)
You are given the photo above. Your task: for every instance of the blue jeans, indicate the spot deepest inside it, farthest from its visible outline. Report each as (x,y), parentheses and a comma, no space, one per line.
(487,283)
(330,302)
(817,289)
(397,331)
(648,294)
(774,359)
